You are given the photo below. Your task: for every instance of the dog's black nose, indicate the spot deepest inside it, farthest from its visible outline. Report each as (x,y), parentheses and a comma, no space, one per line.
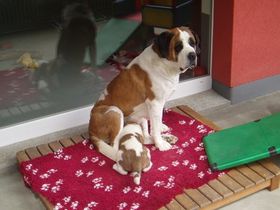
(192,56)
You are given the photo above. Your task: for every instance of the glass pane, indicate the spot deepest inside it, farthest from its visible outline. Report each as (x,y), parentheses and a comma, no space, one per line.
(47,54)
(47,62)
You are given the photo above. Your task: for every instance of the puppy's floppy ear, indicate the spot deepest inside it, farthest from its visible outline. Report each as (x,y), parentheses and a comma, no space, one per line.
(161,44)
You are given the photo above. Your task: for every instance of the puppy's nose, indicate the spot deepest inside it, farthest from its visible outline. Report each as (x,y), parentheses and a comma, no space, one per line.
(191,56)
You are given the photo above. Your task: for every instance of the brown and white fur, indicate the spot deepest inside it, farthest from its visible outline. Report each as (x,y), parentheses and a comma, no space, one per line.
(140,91)
(132,155)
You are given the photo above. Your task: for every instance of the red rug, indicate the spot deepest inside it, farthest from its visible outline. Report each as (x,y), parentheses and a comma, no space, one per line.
(16,88)
(78,177)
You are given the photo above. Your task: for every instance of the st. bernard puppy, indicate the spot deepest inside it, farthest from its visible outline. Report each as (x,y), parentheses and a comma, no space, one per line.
(140,91)
(132,155)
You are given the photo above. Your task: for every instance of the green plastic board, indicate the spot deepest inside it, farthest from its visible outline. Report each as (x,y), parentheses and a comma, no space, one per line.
(243,144)
(111,37)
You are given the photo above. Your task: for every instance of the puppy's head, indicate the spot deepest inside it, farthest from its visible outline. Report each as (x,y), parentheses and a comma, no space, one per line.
(179,46)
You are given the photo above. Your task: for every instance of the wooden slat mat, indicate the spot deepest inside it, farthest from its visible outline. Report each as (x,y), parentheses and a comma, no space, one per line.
(236,184)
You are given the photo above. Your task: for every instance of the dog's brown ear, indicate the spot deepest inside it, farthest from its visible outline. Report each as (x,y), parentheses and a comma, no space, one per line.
(195,36)
(161,44)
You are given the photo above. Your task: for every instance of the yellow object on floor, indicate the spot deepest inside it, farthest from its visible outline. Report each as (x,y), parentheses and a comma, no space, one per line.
(27,61)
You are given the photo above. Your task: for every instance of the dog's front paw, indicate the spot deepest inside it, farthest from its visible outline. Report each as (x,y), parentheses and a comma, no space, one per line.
(164,128)
(171,139)
(163,145)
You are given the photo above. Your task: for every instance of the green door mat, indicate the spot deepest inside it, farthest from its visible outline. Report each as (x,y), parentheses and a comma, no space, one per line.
(111,37)
(243,144)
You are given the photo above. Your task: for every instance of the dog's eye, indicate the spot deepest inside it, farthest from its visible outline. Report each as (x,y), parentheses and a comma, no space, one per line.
(191,42)
(178,47)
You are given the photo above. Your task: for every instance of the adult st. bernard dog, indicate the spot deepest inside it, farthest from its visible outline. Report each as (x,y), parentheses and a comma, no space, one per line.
(140,91)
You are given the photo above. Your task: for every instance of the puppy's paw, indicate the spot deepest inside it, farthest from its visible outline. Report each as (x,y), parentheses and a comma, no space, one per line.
(163,145)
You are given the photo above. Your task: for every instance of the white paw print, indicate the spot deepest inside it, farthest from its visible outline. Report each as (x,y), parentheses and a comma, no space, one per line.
(94,159)
(45,187)
(108,188)
(58,182)
(200,127)
(203,130)
(191,122)
(28,167)
(137,189)
(163,168)
(202,157)
(58,206)
(185,162)
(89,173)
(67,157)
(171,179)
(79,173)
(85,142)
(84,160)
(169,185)
(44,176)
(175,163)
(97,180)
(74,204)
(193,166)
(92,204)
(55,189)
(98,186)
(135,206)
(158,183)
(126,190)
(102,163)
(209,171)
(122,205)
(201,174)
(67,199)
(34,171)
(52,171)
(198,149)
(146,194)
(91,147)
(182,122)
(192,140)
(185,144)
(180,151)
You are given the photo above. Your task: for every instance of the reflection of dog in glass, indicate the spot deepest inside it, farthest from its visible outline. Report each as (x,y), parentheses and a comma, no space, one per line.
(77,35)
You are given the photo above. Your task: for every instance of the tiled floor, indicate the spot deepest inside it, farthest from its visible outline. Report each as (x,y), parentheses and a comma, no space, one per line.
(15,196)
